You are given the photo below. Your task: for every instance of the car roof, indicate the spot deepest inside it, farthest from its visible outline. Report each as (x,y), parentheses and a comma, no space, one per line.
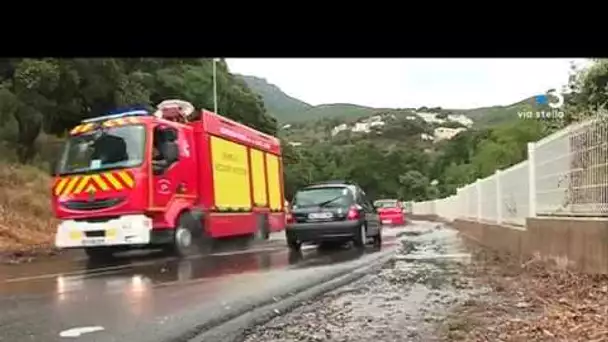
(351,187)
(333,185)
(332,182)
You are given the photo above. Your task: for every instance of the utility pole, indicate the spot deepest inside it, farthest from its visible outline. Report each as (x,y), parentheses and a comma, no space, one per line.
(215,60)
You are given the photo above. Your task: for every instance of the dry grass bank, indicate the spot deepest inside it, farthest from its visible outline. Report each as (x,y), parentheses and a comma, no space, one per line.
(27,225)
(26,219)
(530,301)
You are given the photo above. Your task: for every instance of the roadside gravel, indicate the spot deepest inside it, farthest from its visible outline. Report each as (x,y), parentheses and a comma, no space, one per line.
(403,302)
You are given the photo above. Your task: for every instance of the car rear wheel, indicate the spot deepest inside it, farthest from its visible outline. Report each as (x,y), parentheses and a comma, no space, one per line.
(378,238)
(293,243)
(361,237)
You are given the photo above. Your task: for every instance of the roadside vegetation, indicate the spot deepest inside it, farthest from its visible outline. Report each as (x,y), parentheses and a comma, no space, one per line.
(528,301)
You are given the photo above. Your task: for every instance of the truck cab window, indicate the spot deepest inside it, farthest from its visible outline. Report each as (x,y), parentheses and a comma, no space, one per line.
(113,148)
(164,148)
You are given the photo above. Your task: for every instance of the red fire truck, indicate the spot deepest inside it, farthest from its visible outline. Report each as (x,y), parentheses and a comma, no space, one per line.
(175,178)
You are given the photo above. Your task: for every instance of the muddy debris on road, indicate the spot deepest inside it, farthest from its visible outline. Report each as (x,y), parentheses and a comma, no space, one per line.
(405,301)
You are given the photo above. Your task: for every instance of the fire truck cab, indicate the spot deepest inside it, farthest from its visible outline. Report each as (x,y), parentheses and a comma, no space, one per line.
(176,178)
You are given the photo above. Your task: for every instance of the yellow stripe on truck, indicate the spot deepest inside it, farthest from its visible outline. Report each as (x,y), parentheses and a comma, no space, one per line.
(257,174)
(274,181)
(100,182)
(82,128)
(75,130)
(126,178)
(87,127)
(115,183)
(77,184)
(60,185)
(109,123)
(71,185)
(82,184)
(121,122)
(230,174)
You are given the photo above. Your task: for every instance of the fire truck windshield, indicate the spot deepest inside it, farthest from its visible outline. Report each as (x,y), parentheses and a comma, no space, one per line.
(112,148)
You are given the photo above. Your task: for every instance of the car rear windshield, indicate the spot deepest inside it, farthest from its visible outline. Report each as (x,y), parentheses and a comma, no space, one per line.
(386,204)
(326,196)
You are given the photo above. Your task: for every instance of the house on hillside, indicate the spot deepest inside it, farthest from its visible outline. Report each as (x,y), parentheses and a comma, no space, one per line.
(338,129)
(443,133)
(430,117)
(461,119)
(361,127)
(426,137)
(365,127)
(374,118)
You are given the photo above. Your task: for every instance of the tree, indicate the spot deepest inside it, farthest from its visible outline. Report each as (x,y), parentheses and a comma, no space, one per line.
(588,91)
(414,186)
(54,95)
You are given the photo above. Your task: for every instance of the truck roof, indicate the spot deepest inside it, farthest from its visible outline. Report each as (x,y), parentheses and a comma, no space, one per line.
(212,123)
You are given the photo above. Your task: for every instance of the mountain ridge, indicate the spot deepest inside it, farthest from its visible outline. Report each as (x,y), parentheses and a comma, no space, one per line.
(288,109)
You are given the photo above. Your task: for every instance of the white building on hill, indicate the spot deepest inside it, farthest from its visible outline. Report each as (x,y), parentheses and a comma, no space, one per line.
(339,129)
(430,117)
(443,133)
(461,119)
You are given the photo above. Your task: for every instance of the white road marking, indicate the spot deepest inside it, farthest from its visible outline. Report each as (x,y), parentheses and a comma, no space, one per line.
(76,332)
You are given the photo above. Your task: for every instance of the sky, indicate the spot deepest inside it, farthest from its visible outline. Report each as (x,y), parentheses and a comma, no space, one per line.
(403,83)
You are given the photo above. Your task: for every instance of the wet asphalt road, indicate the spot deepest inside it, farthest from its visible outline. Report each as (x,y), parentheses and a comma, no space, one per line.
(409,299)
(154,298)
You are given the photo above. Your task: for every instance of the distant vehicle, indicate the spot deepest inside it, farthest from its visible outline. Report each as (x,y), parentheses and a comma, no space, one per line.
(391,211)
(176,179)
(332,211)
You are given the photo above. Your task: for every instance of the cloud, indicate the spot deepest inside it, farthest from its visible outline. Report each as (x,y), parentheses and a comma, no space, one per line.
(400,83)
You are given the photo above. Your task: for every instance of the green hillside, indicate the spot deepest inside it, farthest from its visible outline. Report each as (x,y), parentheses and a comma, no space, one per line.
(335,110)
(287,109)
(278,104)
(490,116)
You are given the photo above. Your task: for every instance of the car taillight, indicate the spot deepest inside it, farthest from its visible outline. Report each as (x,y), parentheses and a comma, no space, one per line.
(353,213)
(289,218)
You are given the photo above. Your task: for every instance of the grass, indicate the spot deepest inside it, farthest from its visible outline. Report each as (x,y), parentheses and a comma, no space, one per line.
(26,217)
(27,223)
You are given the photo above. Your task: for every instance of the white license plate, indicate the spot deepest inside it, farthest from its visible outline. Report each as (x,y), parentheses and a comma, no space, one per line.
(387,221)
(93,242)
(316,216)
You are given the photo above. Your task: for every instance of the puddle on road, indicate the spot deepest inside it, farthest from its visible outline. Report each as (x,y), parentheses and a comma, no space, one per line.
(402,302)
(144,272)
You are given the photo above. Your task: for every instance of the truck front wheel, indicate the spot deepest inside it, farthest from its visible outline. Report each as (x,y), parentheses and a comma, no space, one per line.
(189,237)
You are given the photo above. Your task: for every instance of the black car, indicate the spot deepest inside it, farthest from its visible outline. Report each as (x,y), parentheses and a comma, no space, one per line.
(332,211)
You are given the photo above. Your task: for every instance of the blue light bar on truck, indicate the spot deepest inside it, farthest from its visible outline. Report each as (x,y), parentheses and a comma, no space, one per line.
(120,113)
